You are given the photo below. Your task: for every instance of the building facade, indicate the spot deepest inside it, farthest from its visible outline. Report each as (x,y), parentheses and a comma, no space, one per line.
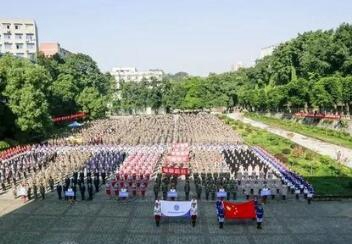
(49,49)
(237,66)
(19,37)
(267,51)
(131,74)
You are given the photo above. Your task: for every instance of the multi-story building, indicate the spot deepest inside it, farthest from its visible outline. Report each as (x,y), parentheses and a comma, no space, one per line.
(237,66)
(19,37)
(130,74)
(267,51)
(49,49)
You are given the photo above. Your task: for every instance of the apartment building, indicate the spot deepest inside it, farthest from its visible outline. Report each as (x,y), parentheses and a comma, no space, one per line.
(50,49)
(131,74)
(19,37)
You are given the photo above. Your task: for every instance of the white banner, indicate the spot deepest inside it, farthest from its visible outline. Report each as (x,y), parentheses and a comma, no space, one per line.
(175,208)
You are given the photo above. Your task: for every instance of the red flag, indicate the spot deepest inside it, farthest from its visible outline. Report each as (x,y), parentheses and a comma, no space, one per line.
(243,210)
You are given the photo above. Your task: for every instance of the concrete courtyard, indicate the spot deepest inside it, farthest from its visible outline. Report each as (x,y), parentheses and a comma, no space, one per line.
(111,221)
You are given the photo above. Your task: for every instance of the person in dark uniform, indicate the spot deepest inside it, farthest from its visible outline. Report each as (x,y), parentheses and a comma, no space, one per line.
(227,190)
(42,190)
(207,191)
(187,190)
(75,177)
(51,183)
(65,188)
(35,191)
(212,191)
(96,183)
(220,213)
(74,189)
(156,189)
(164,189)
(89,180)
(29,192)
(59,191)
(67,182)
(96,175)
(82,189)
(259,215)
(199,191)
(103,176)
(90,191)
(81,176)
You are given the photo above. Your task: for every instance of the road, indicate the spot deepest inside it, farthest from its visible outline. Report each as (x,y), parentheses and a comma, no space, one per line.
(321,147)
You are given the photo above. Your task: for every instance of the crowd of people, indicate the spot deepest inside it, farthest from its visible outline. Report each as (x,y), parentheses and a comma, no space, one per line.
(205,156)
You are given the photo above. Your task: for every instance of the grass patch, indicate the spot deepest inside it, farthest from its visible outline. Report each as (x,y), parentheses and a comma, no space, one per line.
(328,135)
(327,176)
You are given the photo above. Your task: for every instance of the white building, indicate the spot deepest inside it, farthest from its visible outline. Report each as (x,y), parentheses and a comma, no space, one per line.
(130,74)
(267,51)
(19,37)
(237,66)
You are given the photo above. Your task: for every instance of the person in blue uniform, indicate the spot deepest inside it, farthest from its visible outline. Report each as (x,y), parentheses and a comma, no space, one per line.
(259,215)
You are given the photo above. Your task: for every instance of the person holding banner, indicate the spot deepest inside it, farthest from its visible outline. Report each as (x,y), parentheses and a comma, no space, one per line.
(157,212)
(194,211)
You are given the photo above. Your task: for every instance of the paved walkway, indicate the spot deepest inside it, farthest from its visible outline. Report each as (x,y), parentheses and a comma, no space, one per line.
(316,145)
(110,221)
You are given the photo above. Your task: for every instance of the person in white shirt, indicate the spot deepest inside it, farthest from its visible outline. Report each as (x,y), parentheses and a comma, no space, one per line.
(194,211)
(157,212)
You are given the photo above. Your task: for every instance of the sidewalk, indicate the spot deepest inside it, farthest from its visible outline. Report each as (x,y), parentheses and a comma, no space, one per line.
(315,145)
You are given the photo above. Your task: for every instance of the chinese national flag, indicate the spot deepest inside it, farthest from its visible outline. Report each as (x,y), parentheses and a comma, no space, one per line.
(243,210)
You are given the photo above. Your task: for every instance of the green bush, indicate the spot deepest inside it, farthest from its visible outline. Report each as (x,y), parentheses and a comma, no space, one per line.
(249,130)
(286,151)
(350,184)
(282,158)
(4,145)
(343,124)
(308,156)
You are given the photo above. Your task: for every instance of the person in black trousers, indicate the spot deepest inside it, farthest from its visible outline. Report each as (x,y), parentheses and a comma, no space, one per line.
(103,176)
(82,189)
(90,192)
(96,184)
(59,191)
(74,189)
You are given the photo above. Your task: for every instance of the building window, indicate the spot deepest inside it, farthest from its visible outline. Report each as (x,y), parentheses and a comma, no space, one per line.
(7,36)
(18,36)
(19,45)
(30,45)
(31,56)
(18,26)
(6,25)
(29,37)
(29,26)
(21,55)
(8,45)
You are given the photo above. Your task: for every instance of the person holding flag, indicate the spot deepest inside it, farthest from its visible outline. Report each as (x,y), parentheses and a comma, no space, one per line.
(157,212)
(259,215)
(220,212)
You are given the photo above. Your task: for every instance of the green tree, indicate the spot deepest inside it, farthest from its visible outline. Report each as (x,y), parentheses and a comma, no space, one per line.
(92,102)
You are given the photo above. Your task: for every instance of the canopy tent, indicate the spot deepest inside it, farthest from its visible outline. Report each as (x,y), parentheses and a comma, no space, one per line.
(75,125)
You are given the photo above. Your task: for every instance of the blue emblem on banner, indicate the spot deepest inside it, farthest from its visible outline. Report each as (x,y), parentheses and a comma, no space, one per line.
(176,207)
